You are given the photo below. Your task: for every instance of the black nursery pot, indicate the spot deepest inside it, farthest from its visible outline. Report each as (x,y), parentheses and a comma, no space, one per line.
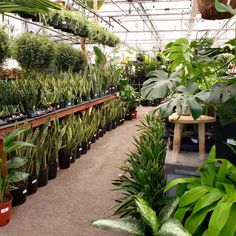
(104,129)
(64,160)
(114,124)
(94,138)
(19,195)
(109,127)
(128,116)
(85,147)
(52,173)
(73,156)
(43,177)
(224,136)
(101,132)
(32,184)
(89,145)
(98,134)
(78,151)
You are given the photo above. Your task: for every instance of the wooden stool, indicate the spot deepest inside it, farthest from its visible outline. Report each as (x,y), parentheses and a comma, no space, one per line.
(179,121)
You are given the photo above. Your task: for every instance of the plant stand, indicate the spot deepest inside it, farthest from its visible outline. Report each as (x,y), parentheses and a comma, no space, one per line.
(179,121)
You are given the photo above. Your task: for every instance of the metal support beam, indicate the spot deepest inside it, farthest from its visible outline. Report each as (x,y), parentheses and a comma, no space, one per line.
(193,14)
(151,1)
(121,25)
(151,14)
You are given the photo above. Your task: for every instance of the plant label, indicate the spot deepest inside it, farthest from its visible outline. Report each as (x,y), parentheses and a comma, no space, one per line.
(34,181)
(80,149)
(70,157)
(4,210)
(194,140)
(25,191)
(231,142)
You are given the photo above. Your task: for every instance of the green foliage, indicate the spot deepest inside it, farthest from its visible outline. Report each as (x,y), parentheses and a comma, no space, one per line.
(143,170)
(34,52)
(170,227)
(69,58)
(11,174)
(4,45)
(208,199)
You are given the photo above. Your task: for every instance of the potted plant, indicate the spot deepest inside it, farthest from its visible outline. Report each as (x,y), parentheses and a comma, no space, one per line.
(9,172)
(4,45)
(223,99)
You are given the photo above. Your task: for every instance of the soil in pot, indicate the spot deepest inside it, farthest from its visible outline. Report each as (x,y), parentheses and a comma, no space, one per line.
(52,172)
(5,211)
(19,195)
(109,127)
(32,184)
(64,160)
(85,147)
(225,135)
(43,177)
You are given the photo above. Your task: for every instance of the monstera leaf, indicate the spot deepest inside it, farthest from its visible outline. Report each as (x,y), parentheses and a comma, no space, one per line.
(160,84)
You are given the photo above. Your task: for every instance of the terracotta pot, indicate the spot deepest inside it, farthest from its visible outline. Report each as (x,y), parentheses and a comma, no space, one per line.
(208,11)
(5,211)
(134,115)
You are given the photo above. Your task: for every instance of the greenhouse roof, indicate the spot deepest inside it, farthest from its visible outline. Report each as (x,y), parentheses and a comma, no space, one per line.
(149,25)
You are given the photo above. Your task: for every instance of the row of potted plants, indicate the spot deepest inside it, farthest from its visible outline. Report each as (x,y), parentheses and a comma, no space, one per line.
(76,23)
(56,144)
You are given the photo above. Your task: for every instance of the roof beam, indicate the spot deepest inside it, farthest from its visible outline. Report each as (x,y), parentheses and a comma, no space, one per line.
(146,1)
(193,14)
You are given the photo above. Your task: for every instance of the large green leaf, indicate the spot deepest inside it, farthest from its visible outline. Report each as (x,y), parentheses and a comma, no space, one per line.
(16,177)
(148,215)
(173,227)
(229,228)
(168,210)
(196,219)
(13,135)
(220,7)
(219,218)
(193,195)
(13,146)
(180,181)
(209,198)
(125,225)
(15,163)
(195,108)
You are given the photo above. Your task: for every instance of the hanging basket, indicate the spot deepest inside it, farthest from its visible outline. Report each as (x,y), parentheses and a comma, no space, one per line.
(208,11)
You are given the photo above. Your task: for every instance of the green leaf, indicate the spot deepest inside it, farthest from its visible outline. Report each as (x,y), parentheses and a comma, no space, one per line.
(220,7)
(196,219)
(13,146)
(17,177)
(209,198)
(16,162)
(195,108)
(125,225)
(193,195)
(180,181)
(148,215)
(219,218)
(230,227)
(168,210)
(13,135)
(173,227)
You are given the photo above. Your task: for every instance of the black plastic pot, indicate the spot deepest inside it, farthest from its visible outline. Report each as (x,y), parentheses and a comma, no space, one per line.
(89,145)
(19,195)
(94,138)
(98,134)
(78,151)
(82,32)
(122,120)
(225,135)
(68,103)
(55,20)
(128,116)
(109,127)
(104,129)
(52,173)
(43,177)
(101,133)
(114,124)
(32,184)
(62,105)
(73,156)
(64,160)
(85,147)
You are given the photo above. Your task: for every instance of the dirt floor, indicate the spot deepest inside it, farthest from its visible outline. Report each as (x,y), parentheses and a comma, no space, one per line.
(66,206)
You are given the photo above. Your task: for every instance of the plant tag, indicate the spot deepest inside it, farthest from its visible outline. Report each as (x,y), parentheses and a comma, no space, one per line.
(94,135)
(90,142)
(4,210)
(231,141)
(34,181)
(69,103)
(100,130)
(117,94)
(70,157)
(194,140)
(80,149)
(25,191)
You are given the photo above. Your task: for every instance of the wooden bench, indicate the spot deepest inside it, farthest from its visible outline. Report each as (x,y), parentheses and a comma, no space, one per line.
(179,121)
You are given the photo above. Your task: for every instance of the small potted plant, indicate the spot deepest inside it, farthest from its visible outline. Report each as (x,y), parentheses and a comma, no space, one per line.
(9,172)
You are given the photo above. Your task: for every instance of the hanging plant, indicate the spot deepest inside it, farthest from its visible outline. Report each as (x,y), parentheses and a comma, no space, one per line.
(209,12)
(34,52)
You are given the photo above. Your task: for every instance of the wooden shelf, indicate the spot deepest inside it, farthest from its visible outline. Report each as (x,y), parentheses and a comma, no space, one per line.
(40,120)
